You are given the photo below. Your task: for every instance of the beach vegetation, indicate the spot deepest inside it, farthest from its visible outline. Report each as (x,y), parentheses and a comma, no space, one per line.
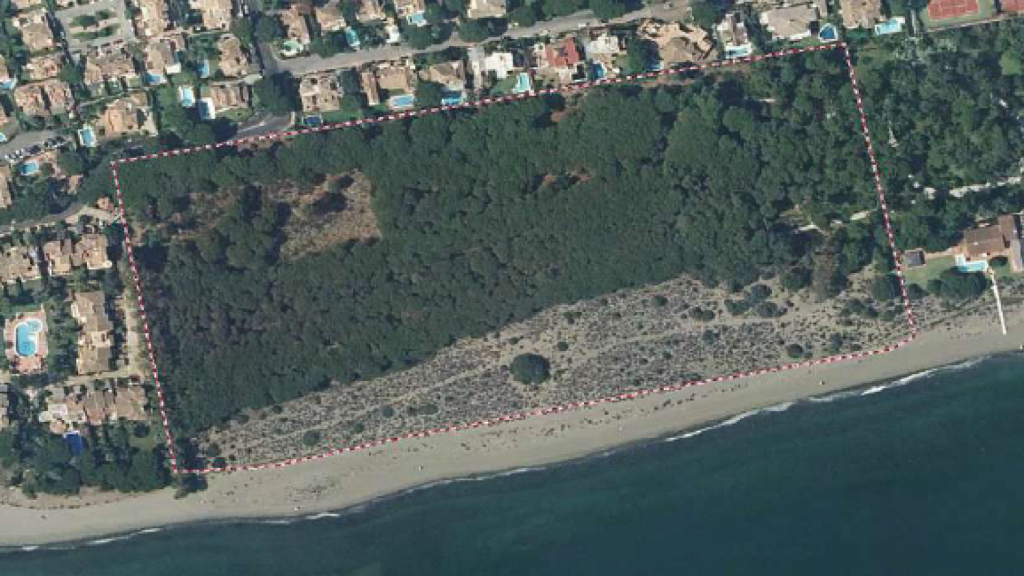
(530,368)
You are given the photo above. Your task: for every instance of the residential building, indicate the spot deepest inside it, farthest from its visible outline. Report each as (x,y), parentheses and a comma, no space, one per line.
(329,17)
(150,18)
(160,57)
(397,77)
(370,11)
(223,97)
(732,32)
(18,263)
(63,256)
(451,75)
(58,257)
(44,67)
(482,64)
(35,30)
(861,13)
(44,98)
(5,187)
(603,51)
(320,92)
(368,83)
(233,62)
(791,22)
(412,10)
(109,66)
(677,42)
(486,8)
(95,338)
(560,59)
(22,5)
(216,14)
(295,27)
(125,117)
(987,242)
(93,404)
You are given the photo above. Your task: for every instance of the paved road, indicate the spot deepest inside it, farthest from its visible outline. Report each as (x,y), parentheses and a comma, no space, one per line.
(264,124)
(309,64)
(26,139)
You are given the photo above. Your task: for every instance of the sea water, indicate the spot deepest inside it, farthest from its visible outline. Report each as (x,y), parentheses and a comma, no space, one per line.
(923,475)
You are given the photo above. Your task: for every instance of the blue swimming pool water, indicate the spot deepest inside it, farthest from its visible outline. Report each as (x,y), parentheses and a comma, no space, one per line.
(352,37)
(29,168)
(522,84)
(204,69)
(187,96)
(828,33)
(87,137)
(451,98)
(26,337)
(890,26)
(402,101)
(417,19)
(964,266)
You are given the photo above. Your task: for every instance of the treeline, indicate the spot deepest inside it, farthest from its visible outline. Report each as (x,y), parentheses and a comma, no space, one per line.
(488,217)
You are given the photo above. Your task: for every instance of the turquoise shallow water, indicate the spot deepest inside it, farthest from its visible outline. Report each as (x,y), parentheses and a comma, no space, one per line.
(921,478)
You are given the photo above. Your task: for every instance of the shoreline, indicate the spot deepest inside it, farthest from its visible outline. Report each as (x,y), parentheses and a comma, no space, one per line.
(350,482)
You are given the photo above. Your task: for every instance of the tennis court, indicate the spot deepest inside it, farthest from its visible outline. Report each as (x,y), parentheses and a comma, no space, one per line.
(945,9)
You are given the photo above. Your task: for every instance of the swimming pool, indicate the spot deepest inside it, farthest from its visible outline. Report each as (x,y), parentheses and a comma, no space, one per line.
(828,33)
(29,168)
(87,137)
(417,19)
(187,96)
(890,26)
(401,101)
(523,84)
(964,266)
(26,337)
(451,98)
(352,37)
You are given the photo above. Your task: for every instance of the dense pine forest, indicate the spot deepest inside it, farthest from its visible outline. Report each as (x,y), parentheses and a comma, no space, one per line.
(488,216)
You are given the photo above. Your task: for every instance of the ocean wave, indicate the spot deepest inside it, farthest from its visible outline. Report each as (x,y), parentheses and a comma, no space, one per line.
(123,537)
(731,421)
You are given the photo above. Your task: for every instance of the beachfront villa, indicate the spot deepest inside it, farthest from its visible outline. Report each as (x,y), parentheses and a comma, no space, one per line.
(25,341)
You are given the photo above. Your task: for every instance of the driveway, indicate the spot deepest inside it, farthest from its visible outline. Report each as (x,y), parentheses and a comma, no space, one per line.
(25,140)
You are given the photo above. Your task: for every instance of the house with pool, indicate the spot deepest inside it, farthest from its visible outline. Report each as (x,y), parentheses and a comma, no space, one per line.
(25,341)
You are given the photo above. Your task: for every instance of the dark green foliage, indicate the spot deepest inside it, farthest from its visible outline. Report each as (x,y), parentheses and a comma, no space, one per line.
(559,8)
(419,37)
(311,438)
(42,462)
(955,285)
(640,55)
(608,9)
(429,93)
(884,288)
(704,14)
(795,351)
(526,15)
(530,368)
(278,93)
(478,30)
(488,217)
(268,29)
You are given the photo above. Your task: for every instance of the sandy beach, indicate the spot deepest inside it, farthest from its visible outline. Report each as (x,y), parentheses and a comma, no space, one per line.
(347,480)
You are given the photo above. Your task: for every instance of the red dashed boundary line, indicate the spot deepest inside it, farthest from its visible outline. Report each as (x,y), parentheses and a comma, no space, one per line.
(541,411)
